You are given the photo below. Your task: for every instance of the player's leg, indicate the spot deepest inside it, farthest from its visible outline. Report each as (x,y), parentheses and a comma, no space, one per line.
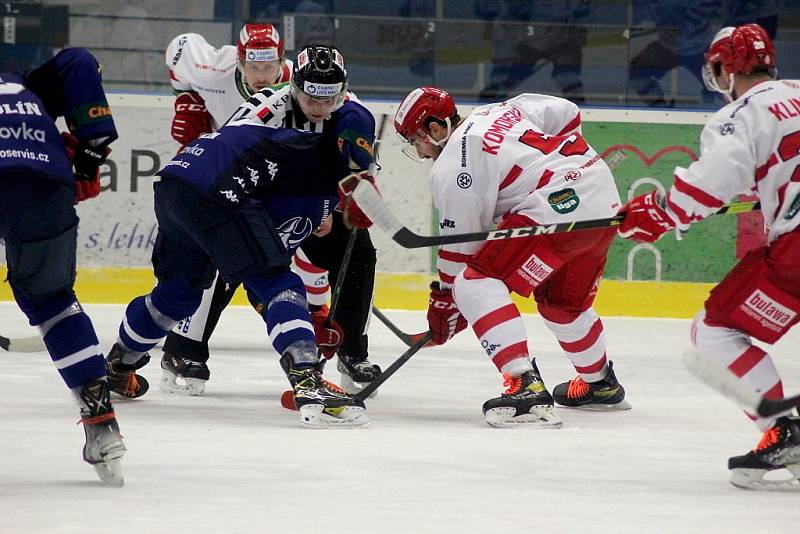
(759,298)
(40,230)
(315,280)
(564,303)
(481,292)
(264,269)
(355,302)
(184,366)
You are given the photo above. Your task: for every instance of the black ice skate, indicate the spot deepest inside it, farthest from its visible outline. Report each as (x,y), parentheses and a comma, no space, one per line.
(104,446)
(121,377)
(778,449)
(605,394)
(526,401)
(356,373)
(321,403)
(193,375)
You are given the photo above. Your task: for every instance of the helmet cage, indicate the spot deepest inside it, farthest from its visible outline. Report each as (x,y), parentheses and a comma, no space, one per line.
(319,73)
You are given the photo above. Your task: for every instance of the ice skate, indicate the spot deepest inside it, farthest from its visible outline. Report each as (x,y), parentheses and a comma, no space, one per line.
(121,377)
(104,446)
(356,373)
(778,452)
(525,402)
(321,403)
(605,394)
(182,376)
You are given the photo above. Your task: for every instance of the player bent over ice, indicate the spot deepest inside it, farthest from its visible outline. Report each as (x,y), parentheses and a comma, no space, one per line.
(750,145)
(523,162)
(238,201)
(39,225)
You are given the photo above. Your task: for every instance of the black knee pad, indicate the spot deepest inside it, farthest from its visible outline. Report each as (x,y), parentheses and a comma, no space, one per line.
(44,268)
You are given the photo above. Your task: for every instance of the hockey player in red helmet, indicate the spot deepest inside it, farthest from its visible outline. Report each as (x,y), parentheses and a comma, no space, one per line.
(750,145)
(517,162)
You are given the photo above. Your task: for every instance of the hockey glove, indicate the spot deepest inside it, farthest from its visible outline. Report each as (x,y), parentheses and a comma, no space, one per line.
(329,337)
(86,160)
(352,214)
(191,118)
(444,319)
(646,218)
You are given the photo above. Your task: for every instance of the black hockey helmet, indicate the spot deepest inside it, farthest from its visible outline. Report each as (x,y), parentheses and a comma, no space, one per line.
(319,73)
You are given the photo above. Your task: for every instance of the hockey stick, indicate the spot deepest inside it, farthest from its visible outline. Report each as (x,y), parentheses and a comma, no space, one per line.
(389,371)
(373,206)
(23,344)
(408,339)
(724,381)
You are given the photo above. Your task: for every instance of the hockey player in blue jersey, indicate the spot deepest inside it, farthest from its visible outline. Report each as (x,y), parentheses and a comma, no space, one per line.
(42,177)
(239,201)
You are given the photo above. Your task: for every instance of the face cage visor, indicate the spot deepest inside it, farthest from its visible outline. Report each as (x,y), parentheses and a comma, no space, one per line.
(298,93)
(410,149)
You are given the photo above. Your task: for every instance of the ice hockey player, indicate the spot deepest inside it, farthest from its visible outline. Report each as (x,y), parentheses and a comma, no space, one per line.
(316,100)
(752,145)
(43,177)
(519,161)
(239,200)
(210,85)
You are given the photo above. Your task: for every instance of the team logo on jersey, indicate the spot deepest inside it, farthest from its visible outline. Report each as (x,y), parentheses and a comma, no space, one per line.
(294,231)
(571,176)
(726,129)
(564,201)
(464,180)
(179,53)
(767,311)
(88,113)
(272,169)
(535,270)
(447,223)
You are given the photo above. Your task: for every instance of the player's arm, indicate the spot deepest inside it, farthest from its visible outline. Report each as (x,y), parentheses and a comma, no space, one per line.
(192,118)
(723,170)
(355,137)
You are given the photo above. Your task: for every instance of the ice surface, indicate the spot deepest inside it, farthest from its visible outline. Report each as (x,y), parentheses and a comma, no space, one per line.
(234,461)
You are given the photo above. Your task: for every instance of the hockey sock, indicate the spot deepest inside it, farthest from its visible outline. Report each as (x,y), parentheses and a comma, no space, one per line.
(286,310)
(314,279)
(495,319)
(583,341)
(150,317)
(734,350)
(69,337)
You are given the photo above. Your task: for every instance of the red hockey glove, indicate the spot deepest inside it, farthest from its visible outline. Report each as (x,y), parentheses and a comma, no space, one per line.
(444,319)
(646,218)
(352,214)
(328,337)
(191,118)
(86,161)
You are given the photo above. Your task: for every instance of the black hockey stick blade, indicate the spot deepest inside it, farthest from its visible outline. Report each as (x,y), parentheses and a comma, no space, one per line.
(408,339)
(392,369)
(23,344)
(728,384)
(373,206)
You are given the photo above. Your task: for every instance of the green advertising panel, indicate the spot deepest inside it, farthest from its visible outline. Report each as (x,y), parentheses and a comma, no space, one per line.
(708,251)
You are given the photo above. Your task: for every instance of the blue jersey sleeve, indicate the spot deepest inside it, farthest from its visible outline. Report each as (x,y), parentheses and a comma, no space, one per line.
(355,132)
(70,86)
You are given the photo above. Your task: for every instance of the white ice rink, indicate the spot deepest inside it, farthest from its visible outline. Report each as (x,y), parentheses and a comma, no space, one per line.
(234,461)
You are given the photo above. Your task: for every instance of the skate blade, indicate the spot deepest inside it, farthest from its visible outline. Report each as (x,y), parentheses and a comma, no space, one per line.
(539,417)
(191,386)
(110,473)
(317,416)
(754,479)
(354,388)
(599,407)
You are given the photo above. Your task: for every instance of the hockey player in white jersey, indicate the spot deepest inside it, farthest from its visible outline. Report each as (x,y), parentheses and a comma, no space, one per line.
(210,84)
(522,162)
(752,145)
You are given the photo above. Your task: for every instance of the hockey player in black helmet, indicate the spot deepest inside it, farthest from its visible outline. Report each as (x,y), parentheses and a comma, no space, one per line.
(315,100)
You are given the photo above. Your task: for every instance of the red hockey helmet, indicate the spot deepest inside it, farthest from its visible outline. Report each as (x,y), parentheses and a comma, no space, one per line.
(259,42)
(739,50)
(420,105)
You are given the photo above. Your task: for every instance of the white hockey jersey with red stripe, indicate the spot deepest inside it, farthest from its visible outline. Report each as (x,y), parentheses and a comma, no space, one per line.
(749,146)
(195,65)
(525,155)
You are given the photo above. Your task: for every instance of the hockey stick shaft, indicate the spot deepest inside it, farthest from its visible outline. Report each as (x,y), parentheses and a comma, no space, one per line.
(23,344)
(408,339)
(373,206)
(392,369)
(729,385)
